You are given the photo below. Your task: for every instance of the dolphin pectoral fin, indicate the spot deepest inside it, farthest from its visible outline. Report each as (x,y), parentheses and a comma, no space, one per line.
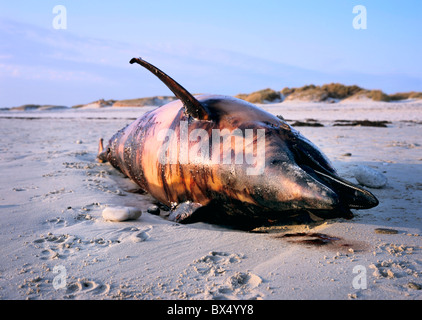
(102,154)
(184,211)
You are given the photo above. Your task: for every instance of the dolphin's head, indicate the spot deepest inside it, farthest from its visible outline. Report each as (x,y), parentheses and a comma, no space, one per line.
(298,176)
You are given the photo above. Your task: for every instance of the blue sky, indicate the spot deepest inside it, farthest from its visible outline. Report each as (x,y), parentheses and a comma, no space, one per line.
(222,47)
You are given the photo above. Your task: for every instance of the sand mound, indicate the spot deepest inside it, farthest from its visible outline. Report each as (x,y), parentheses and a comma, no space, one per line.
(156,101)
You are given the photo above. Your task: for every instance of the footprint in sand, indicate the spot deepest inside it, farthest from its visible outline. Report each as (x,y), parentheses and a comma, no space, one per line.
(87,287)
(241,285)
(132,234)
(54,246)
(49,254)
(241,281)
(215,262)
(56,221)
(141,236)
(60,246)
(222,282)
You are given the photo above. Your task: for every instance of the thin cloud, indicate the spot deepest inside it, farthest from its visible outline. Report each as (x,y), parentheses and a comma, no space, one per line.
(66,63)
(26,72)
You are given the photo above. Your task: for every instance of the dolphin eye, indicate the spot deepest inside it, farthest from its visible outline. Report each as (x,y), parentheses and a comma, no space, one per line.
(276,162)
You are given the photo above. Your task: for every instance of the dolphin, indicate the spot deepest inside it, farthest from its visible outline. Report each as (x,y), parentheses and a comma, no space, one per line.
(220,159)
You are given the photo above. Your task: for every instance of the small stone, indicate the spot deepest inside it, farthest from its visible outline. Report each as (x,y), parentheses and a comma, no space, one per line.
(121,213)
(79,141)
(154,210)
(347,154)
(369,177)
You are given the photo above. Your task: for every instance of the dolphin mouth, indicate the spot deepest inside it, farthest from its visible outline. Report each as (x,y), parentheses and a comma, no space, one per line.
(350,195)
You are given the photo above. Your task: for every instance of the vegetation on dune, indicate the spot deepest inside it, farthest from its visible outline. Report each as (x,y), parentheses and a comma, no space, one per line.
(378,95)
(340,91)
(261,96)
(406,95)
(149,101)
(328,92)
(138,102)
(321,93)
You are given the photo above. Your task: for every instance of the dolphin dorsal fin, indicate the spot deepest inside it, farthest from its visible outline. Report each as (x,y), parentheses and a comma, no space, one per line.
(192,106)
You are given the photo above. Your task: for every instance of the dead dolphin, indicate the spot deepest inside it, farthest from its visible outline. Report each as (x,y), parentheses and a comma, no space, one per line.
(216,158)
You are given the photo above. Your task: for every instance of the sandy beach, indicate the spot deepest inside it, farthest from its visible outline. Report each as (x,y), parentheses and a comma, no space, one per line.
(55,244)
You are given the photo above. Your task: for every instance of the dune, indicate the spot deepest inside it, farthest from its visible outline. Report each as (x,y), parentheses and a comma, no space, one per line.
(36,107)
(95,104)
(331,93)
(156,101)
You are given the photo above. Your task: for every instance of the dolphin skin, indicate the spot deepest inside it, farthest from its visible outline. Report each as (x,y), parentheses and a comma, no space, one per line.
(220,159)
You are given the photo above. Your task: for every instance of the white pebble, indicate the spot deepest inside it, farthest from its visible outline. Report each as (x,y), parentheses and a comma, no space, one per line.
(121,213)
(370,177)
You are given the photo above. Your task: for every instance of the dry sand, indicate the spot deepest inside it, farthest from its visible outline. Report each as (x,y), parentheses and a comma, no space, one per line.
(55,243)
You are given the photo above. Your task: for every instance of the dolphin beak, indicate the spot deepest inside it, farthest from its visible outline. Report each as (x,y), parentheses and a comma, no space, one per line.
(311,160)
(350,194)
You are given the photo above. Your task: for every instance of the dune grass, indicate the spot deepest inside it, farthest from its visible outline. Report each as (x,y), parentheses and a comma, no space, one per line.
(262,96)
(331,92)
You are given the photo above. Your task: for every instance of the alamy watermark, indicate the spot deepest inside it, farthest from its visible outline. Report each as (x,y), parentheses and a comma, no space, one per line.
(359,21)
(60,18)
(360,281)
(59,281)
(197,146)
